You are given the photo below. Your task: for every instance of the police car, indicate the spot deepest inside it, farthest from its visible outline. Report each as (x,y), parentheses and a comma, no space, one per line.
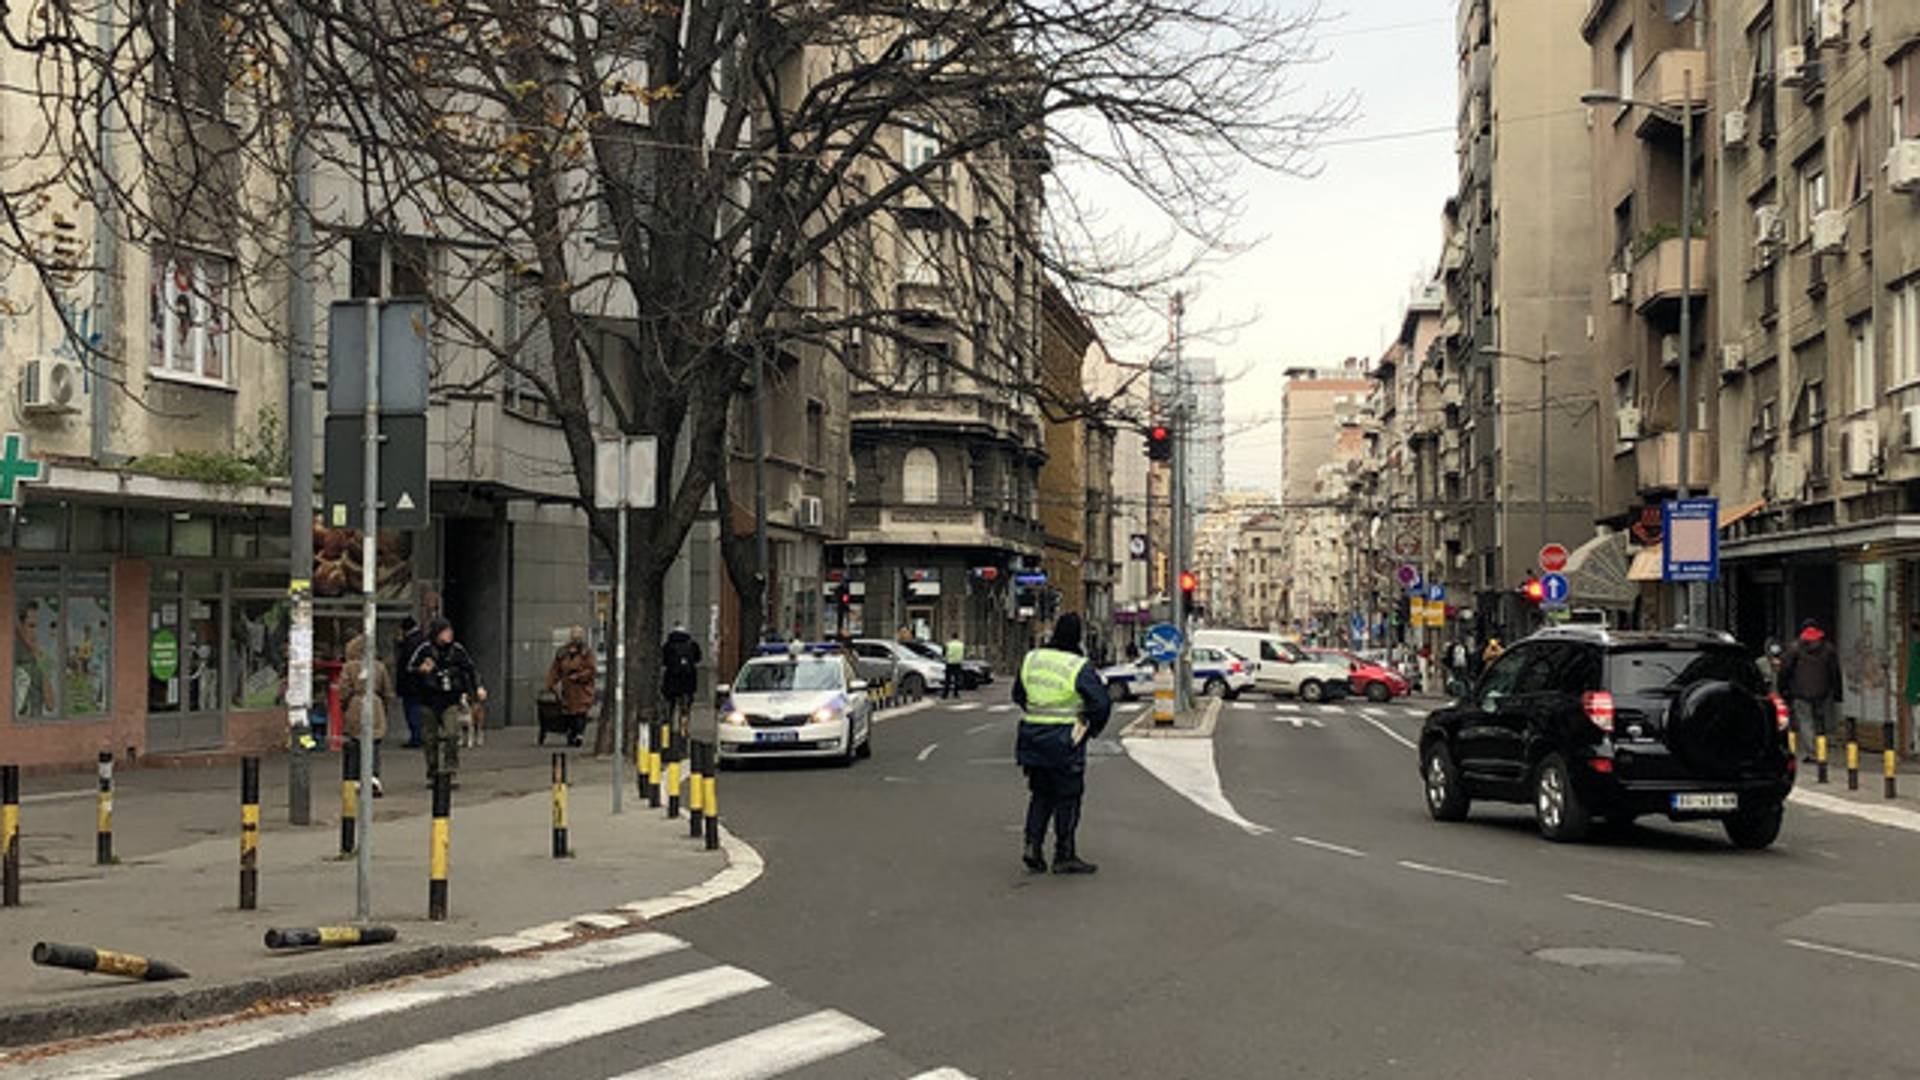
(796,701)
(1216,673)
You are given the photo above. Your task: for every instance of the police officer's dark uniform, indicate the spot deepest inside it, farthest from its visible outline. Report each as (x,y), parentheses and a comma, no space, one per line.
(1059,690)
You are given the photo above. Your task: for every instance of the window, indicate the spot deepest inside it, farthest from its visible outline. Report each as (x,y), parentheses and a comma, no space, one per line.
(183,642)
(63,643)
(1810,11)
(190,54)
(917,147)
(388,267)
(1904,321)
(524,336)
(1623,234)
(1623,67)
(1905,95)
(628,158)
(816,434)
(189,334)
(920,477)
(1760,43)
(924,366)
(1853,158)
(1861,380)
(257,639)
(1812,170)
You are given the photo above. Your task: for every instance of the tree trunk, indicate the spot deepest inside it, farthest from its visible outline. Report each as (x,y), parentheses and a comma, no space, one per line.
(647,569)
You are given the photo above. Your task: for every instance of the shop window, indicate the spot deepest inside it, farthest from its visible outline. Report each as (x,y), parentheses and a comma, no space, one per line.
(147,532)
(183,643)
(192,536)
(96,529)
(41,528)
(63,643)
(257,630)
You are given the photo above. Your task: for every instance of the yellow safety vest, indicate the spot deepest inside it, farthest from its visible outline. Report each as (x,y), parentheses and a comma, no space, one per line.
(956,651)
(1049,676)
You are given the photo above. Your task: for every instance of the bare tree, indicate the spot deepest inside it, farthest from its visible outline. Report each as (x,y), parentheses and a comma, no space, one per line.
(657,193)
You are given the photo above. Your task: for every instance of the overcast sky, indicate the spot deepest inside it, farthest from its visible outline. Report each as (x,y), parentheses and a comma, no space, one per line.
(1344,249)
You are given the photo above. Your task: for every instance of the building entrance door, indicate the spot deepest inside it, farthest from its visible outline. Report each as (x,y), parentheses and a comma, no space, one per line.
(920,622)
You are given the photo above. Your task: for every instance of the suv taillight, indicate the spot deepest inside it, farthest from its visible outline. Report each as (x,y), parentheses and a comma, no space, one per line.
(1599,708)
(1782,716)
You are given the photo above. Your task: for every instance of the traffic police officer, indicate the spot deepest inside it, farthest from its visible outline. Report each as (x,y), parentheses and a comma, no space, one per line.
(1066,704)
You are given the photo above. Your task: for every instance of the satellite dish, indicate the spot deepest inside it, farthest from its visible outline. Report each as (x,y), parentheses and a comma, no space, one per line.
(1678,10)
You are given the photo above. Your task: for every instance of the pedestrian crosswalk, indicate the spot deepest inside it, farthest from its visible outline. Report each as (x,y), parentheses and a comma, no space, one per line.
(640,1007)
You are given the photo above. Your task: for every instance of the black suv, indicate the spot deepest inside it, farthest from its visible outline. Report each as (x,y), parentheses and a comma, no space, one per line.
(1587,723)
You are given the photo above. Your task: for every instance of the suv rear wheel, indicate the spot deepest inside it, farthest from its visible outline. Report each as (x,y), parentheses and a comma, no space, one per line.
(1562,817)
(1446,796)
(1755,829)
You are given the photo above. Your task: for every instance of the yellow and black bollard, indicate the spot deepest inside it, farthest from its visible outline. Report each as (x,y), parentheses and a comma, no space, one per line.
(441,837)
(9,835)
(711,799)
(640,766)
(673,779)
(104,962)
(559,806)
(1853,754)
(1820,749)
(103,813)
(330,937)
(1889,761)
(249,833)
(349,795)
(696,768)
(654,747)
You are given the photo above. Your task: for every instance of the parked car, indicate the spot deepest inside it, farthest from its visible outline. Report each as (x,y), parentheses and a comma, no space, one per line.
(913,673)
(1216,673)
(1279,666)
(808,703)
(1374,680)
(974,674)
(1587,723)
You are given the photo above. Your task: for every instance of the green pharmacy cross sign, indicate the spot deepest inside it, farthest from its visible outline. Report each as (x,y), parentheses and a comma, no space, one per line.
(17,468)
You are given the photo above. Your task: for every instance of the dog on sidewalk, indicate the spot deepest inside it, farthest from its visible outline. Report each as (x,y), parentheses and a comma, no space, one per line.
(473,726)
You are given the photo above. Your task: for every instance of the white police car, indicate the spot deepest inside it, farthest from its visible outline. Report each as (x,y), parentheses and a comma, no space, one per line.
(805,703)
(1216,673)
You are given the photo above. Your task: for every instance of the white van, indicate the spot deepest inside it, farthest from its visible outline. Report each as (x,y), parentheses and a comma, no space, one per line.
(1280,666)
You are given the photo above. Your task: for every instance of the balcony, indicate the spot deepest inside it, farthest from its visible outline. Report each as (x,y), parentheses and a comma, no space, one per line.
(941,526)
(1664,82)
(1657,462)
(971,412)
(1656,276)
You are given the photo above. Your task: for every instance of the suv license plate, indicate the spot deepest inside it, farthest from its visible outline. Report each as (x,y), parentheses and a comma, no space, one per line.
(1712,801)
(776,736)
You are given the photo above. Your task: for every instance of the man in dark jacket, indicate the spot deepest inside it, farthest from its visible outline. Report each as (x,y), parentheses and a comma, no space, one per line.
(406,686)
(680,677)
(448,685)
(1810,679)
(1066,704)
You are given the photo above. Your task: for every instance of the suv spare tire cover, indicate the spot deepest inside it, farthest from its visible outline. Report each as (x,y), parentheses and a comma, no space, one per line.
(1718,729)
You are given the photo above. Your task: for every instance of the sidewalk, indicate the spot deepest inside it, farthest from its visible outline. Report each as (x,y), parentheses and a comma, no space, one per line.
(1870,802)
(173,896)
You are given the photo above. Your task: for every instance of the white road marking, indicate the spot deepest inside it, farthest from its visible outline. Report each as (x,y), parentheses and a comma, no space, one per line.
(1630,909)
(136,1057)
(59,796)
(1872,958)
(1186,766)
(1893,817)
(1377,714)
(766,1053)
(1337,849)
(1130,706)
(965,706)
(978,728)
(942,1074)
(1443,871)
(1391,734)
(1243,706)
(928,752)
(1299,723)
(1002,708)
(537,1033)
(882,716)
(1287,706)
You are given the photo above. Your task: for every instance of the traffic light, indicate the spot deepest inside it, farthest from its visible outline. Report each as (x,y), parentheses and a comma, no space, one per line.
(1189,581)
(1159,443)
(1533,591)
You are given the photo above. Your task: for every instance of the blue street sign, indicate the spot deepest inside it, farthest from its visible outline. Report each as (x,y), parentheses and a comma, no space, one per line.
(1690,540)
(1436,591)
(1554,589)
(1163,643)
(1359,623)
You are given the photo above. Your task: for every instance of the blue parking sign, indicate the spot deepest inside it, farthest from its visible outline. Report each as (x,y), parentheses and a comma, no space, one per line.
(1436,591)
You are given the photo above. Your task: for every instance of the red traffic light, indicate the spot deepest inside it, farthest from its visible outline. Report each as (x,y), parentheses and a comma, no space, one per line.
(1160,443)
(1533,590)
(1159,433)
(1189,581)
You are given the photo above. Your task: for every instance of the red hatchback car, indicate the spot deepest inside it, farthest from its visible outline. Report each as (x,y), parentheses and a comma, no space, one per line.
(1371,680)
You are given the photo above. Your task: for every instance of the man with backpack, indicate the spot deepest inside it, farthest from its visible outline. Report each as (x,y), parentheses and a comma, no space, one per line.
(680,676)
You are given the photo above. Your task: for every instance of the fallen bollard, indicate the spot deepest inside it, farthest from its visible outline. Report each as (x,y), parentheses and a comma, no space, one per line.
(315,937)
(104,962)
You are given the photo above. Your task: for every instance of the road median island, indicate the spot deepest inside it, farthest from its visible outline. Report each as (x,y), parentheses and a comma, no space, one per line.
(1196,723)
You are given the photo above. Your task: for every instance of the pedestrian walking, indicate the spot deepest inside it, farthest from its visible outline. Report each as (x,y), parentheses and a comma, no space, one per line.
(1810,680)
(449,689)
(571,677)
(1065,705)
(680,677)
(956,656)
(353,688)
(411,707)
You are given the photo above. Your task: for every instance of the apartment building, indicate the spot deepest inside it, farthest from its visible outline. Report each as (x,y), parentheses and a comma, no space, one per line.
(1314,405)
(1207,431)
(1412,417)
(1262,551)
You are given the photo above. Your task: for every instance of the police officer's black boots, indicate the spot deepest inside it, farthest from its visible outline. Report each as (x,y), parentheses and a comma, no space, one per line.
(1035,857)
(1069,862)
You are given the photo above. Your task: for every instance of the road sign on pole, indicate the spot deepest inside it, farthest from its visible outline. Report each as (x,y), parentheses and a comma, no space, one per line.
(404,486)
(623,479)
(1554,590)
(1436,591)
(1409,576)
(1553,558)
(1690,540)
(1163,644)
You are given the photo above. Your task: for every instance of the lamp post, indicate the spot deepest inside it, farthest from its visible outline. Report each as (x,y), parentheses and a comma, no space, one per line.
(1682,117)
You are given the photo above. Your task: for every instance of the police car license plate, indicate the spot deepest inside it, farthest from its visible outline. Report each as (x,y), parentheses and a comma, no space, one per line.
(776,736)
(1707,801)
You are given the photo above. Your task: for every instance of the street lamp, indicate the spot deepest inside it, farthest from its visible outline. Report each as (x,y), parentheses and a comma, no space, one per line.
(1682,118)
(1541,361)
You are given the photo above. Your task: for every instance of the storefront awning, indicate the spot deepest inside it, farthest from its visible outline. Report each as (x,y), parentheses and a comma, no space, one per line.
(1898,529)
(1597,573)
(1742,513)
(1646,565)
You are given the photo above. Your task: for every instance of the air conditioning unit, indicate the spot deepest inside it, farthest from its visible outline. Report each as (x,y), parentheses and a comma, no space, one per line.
(1619,286)
(809,516)
(1793,66)
(1830,232)
(1833,24)
(1627,423)
(1670,350)
(1910,428)
(1733,359)
(1733,128)
(50,385)
(1789,480)
(1769,227)
(1903,166)
(1860,449)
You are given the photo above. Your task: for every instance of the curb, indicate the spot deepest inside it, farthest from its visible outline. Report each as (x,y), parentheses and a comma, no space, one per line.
(58,1023)
(1142,728)
(1893,817)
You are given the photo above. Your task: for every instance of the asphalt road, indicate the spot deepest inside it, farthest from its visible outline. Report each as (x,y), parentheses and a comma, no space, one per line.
(1337,932)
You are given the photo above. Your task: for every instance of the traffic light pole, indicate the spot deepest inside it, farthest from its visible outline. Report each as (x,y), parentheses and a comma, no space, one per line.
(1182,665)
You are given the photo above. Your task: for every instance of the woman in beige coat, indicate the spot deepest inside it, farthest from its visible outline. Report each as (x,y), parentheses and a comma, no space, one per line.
(352,683)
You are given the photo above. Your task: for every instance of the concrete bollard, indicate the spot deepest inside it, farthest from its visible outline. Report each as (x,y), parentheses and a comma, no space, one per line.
(1889,758)
(349,796)
(696,797)
(103,813)
(9,836)
(440,838)
(105,962)
(1853,754)
(559,806)
(330,937)
(249,833)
